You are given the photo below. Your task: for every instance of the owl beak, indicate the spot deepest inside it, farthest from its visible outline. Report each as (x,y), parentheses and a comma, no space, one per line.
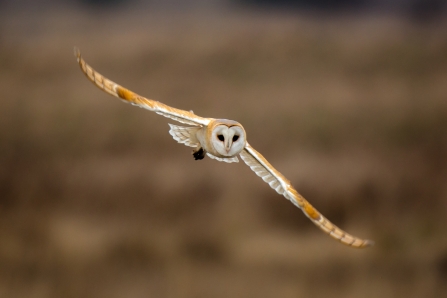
(227,145)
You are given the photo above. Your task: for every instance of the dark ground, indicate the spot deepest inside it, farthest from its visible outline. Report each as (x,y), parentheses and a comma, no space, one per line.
(97,200)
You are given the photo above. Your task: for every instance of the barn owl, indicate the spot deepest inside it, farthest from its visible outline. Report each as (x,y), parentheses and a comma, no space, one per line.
(222,140)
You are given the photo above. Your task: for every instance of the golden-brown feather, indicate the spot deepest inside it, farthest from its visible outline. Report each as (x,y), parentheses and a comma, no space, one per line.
(277,181)
(116,90)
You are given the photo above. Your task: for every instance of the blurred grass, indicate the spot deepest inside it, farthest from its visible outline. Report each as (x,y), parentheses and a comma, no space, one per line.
(97,200)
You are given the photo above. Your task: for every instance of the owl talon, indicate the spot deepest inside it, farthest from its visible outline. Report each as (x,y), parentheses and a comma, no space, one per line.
(199,154)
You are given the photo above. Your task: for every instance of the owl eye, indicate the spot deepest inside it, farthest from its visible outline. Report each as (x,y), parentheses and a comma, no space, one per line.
(221,138)
(235,138)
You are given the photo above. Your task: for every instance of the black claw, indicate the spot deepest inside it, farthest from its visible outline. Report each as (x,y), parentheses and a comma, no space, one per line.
(199,154)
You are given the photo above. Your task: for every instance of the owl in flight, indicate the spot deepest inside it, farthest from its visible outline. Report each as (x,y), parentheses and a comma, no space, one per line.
(223,140)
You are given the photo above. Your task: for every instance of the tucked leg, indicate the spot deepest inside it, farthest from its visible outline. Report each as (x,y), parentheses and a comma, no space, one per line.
(198,153)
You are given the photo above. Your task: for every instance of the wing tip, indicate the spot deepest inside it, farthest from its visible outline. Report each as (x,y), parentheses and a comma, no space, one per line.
(368,243)
(364,243)
(77,53)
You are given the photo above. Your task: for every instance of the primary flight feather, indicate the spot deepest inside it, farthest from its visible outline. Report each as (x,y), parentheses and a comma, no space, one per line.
(223,140)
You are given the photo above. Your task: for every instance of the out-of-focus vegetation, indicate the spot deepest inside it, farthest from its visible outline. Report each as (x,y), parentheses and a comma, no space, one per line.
(97,200)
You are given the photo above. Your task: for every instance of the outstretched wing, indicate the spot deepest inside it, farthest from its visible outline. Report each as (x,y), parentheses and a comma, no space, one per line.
(278,182)
(135,99)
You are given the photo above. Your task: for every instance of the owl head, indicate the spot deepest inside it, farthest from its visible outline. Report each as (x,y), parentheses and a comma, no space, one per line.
(227,137)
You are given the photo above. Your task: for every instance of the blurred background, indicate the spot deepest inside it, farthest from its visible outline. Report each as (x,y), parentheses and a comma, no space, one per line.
(347,99)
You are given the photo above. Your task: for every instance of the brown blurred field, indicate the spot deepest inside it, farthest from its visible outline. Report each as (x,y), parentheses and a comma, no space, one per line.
(97,199)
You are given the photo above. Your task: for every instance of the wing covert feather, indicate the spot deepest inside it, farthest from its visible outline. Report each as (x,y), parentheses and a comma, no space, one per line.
(278,182)
(118,91)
